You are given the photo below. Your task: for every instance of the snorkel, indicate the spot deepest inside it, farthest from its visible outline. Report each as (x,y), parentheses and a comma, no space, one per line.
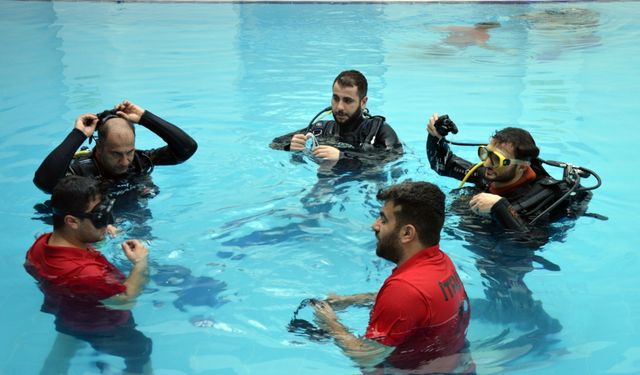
(466,176)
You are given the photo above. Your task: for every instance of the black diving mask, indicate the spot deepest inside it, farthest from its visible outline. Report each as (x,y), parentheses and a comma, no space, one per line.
(103,117)
(106,115)
(100,216)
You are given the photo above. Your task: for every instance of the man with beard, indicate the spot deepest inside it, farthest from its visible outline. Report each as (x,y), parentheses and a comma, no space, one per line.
(354,137)
(88,295)
(421,313)
(516,189)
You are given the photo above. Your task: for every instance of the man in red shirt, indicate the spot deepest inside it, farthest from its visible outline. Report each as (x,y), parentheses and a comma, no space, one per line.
(89,296)
(421,313)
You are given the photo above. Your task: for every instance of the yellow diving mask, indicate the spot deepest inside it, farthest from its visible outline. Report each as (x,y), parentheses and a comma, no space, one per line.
(496,158)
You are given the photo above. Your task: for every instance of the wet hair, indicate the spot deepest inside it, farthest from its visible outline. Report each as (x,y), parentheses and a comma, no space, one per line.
(73,194)
(102,127)
(420,204)
(351,78)
(523,144)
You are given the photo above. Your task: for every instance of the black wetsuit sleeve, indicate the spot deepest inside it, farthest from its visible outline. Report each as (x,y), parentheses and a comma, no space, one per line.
(180,146)
(503,213)
(386,148)
(446,163)
(283,142)
(56,165)
(388,137)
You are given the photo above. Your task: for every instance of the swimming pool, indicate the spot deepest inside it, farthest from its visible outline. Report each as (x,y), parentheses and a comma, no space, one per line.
(263,228)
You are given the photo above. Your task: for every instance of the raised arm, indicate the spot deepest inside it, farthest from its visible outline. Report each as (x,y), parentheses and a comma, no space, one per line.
(56,164)
(443,161)
(180,146)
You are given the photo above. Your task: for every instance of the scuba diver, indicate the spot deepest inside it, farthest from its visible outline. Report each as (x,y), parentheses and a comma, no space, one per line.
(517,192)
(114,160)
(512,189)
(354,137)
(352,152)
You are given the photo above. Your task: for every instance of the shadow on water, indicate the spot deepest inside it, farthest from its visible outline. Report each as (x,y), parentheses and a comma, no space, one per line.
(191,291)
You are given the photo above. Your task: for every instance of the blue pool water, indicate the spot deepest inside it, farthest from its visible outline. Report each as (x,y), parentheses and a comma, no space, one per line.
(263,233)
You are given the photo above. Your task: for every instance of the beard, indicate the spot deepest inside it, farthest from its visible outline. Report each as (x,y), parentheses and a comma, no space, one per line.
(388,247)
(92,236)
(352,120)
(500,177)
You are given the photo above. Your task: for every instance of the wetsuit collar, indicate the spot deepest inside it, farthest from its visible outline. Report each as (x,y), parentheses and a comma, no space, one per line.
(527,177)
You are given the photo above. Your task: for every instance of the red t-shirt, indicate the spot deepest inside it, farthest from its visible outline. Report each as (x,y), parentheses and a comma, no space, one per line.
(422,309)
(74,281)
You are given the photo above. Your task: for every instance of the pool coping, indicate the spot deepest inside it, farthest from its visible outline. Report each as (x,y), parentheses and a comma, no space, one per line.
(348,1)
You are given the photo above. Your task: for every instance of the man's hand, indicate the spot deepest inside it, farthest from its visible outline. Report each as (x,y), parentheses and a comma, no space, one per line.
(112,230)
(481,203)
(135,251)
(431,128)
(87,123)
(326,152)
(129,111)
(298,142)
(325,316)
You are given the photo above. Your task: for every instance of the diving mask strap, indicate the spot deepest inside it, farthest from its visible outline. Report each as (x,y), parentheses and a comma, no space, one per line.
(466,177)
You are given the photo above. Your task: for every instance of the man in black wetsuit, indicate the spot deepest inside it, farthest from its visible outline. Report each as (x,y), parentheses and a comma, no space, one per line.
(354,137)
(516,190)
(114,158)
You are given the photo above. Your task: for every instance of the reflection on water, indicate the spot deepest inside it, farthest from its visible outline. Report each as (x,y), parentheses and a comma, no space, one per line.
(557,30)
(563,19)
(548,33)
(503,260)
(460,37)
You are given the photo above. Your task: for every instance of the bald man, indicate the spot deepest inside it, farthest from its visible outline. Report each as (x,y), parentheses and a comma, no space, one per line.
(115,159)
